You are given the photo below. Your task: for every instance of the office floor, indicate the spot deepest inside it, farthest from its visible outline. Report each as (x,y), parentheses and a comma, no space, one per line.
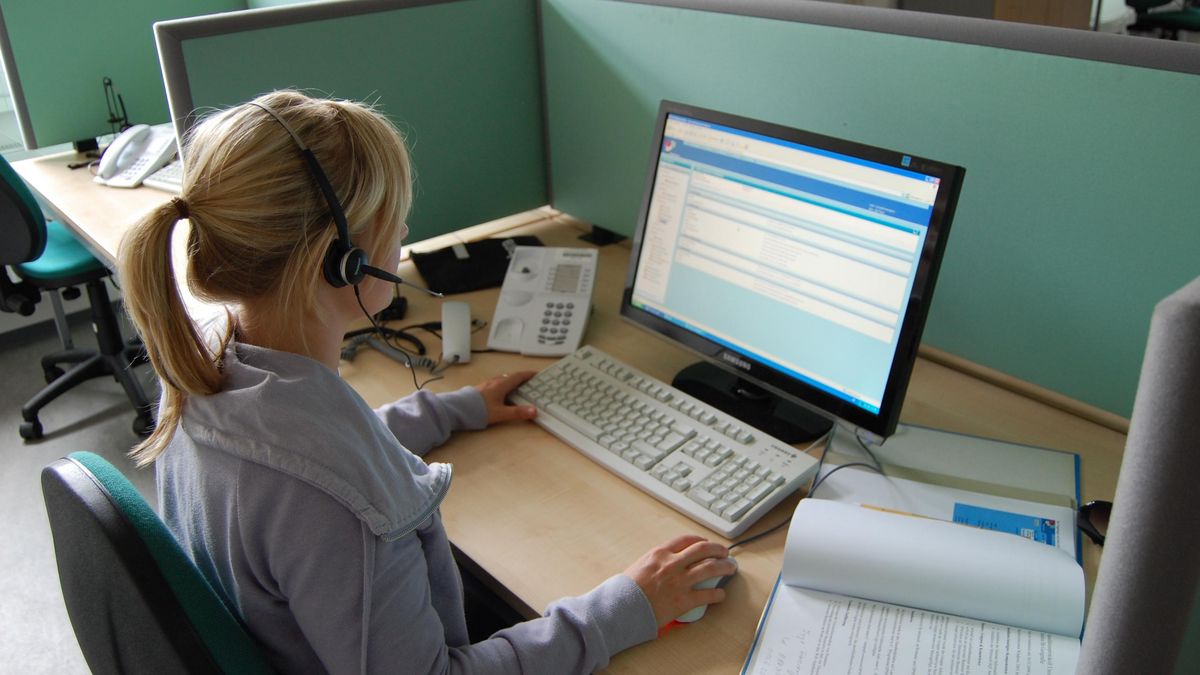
(35,633)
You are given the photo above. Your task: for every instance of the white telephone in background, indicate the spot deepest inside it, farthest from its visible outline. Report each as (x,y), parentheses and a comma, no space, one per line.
(138,152)
(545,301)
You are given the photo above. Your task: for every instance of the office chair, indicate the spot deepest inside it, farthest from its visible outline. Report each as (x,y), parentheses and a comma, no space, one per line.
(136,601)
(1150,571)
(1168,23)
(46,257)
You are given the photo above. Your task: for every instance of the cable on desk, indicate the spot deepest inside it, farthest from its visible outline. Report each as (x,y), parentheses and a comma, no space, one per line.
(388,334)
(818,478)
(838,468)
(379,332)
(866,448)
(758,536)
(827,438)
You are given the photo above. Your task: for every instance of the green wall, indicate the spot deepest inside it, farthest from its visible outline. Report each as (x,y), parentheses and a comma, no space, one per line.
(64,48)
(1076,215)
(459,79)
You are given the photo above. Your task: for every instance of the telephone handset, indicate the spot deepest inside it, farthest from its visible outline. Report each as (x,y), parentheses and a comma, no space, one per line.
(545,301)
(138,152)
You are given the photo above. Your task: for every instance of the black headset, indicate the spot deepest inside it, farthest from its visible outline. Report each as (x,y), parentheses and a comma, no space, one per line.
(345,264)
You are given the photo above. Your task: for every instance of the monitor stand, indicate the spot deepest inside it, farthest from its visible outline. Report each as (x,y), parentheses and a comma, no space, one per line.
(750,403)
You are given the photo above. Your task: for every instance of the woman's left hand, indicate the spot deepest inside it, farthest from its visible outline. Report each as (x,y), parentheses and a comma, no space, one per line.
(497,389)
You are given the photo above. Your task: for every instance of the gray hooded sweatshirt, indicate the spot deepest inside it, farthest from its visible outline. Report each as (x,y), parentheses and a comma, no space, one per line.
(317,520)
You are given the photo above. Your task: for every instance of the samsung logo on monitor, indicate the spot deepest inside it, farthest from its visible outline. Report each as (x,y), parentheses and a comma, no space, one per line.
(735,360)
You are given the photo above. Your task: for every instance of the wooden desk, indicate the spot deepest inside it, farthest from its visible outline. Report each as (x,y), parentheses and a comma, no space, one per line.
(99,215)
(545,522)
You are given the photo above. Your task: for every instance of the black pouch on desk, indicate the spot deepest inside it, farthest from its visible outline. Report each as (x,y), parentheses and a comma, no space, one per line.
(484,266)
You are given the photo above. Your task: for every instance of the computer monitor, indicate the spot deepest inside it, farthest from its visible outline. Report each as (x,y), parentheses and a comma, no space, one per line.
(800,266)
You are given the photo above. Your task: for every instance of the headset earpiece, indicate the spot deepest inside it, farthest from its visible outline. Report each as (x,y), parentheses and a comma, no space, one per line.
(344,266)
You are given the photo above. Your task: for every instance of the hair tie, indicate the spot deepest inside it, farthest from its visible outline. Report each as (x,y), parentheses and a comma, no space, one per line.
(181,207)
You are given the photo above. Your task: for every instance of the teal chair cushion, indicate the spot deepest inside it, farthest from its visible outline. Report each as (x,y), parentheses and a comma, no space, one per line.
(64,258)
(233,649)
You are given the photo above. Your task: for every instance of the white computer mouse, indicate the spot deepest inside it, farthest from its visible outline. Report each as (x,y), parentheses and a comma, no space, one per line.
(714,582)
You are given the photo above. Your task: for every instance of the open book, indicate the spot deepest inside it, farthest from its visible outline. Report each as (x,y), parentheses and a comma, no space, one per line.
(867,591)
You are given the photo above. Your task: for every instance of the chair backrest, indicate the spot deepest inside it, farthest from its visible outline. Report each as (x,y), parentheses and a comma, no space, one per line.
(1150,571)
(22,226)
(137,603)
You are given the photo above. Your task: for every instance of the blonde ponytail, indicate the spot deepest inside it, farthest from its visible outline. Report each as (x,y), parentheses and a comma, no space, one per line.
(259,230)
(180,356)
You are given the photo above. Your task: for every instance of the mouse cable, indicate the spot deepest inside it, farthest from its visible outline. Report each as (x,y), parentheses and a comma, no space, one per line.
(758,536)
(827,436)
(838,468)
(811,490)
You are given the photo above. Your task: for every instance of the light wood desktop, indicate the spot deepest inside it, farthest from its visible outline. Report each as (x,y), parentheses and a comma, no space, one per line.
(542,520)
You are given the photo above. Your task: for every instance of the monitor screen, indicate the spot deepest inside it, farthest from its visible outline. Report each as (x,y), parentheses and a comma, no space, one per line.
(801,266)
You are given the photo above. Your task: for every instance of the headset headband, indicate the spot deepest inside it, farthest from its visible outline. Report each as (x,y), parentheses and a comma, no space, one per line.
(314,167)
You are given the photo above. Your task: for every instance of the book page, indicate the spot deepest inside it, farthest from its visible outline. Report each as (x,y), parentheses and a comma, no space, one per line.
(933,565)
(808,632)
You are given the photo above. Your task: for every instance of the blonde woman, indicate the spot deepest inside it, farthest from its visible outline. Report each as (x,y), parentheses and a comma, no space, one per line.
(313,515)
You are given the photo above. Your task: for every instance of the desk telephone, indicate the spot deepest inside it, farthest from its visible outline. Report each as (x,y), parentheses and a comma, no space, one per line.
(545,301)
(138,152)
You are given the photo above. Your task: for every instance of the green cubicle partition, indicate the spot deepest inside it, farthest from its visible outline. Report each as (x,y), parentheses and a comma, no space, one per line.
(460,80)
(57,52)
(1078,210)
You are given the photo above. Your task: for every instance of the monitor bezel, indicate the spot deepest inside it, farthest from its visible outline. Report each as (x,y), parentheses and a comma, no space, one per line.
(883,423)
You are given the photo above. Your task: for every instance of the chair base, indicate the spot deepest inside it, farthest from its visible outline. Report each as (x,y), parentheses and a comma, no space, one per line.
(115,358)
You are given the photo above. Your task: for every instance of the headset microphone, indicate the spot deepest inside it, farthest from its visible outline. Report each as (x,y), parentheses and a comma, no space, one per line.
(388,276)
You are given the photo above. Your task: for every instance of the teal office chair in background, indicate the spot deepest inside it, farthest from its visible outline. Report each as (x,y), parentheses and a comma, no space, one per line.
(136,601)
(1167,23)
(46,257)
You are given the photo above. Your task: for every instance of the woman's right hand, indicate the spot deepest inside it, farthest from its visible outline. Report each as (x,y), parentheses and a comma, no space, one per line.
(667,574)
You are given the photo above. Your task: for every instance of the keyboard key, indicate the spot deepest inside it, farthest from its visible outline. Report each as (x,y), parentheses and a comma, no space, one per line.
(737,510)
(702,497)
(758,493)
(575,421)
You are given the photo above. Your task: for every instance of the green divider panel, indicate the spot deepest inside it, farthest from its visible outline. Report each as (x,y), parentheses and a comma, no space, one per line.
(459,79)
(62,50)
(1077,214)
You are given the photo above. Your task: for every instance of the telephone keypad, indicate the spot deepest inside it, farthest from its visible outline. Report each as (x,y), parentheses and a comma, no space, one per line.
(556,322)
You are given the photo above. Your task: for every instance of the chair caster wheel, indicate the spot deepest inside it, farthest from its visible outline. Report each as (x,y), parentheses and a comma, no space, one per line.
(31,431)
(143,425)
(53,373)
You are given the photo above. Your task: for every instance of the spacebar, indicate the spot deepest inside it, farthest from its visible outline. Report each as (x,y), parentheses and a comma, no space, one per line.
(574,421)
